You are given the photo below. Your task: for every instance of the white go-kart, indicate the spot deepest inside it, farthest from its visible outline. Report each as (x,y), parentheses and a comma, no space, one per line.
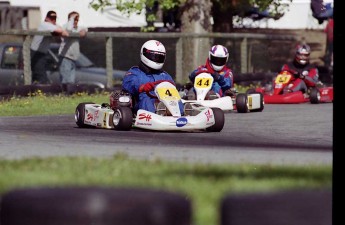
(119,114)
(202,95)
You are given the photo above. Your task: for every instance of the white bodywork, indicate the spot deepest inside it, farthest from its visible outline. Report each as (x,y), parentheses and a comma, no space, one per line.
(98,116)
(203,84)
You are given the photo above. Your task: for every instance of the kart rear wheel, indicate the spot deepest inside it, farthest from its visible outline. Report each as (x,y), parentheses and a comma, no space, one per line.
(79,115)
(250,91)
(262,104)
(242,103)
(122,118)
(314,96)
(219,120)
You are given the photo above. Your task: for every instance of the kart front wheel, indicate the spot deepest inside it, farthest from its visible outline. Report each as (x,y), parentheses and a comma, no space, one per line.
(242,103)
(219,120)
(314,96)
(122,118)
(79,115)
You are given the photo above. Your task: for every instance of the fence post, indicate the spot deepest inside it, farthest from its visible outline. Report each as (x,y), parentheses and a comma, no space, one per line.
(179,56)
(244,64)
(27,60)
(109,61)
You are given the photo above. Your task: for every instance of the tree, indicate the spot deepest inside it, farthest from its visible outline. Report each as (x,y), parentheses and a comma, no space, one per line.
(196,18)
(222,11)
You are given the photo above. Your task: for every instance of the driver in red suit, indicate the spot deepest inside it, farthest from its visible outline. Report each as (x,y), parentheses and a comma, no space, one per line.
(305,74)
(216,66)
(139,80)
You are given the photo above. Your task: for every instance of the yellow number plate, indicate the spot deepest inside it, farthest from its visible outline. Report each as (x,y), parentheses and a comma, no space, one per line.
(202,82)
(168,93)
(283,78)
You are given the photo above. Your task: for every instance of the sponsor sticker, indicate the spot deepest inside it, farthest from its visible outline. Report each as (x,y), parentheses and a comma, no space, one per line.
(180,122)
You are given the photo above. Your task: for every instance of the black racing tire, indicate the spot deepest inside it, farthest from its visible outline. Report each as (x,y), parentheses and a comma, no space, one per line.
(122,119)
(94,205)
(219,120)
(250,91)
(80,115)
(298,206)
(242,103)
(262,103)
(314,96)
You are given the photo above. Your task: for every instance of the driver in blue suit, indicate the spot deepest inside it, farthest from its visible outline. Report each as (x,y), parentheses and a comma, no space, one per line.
(143,78)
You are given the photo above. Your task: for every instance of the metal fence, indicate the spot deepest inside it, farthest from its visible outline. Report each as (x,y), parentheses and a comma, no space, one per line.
(249,52)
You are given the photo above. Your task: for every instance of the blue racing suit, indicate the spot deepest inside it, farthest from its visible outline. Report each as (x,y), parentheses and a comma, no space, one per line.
(134,78)
(219,86)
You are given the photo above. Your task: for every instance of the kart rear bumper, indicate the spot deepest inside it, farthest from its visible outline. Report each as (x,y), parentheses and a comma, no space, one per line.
(224,103)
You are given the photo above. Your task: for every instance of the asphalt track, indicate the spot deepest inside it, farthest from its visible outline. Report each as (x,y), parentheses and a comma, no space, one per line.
(281,134)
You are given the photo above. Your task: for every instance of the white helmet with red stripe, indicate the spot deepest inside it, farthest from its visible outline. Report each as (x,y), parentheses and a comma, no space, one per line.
(152,54)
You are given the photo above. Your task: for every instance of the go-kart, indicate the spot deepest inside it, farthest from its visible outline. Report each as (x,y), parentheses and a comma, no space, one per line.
(119,114)
(203,95)
(279,93)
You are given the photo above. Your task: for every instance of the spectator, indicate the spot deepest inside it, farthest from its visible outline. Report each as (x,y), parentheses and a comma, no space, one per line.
(321,11)
(141,80)
(216,65)
(329,43)
(305,74)
(171,19)
(70,50)
(40,46)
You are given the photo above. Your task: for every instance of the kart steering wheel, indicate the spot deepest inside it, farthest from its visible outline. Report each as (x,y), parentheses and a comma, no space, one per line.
(158,82)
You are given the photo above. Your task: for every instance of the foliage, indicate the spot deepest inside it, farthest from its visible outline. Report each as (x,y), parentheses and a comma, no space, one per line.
(275,8)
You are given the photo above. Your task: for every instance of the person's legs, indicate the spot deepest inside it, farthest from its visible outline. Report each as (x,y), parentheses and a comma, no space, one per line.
(147,103)
(38,67)
(67,71)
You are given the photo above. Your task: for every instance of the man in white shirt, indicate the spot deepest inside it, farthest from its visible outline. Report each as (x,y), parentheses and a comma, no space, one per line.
(70,50)
(40,46)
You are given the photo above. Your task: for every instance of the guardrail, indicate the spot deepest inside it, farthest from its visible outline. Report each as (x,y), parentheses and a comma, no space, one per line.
(182,40)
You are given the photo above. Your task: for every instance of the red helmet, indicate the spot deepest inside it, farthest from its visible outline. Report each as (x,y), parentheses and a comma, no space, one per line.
(302,54)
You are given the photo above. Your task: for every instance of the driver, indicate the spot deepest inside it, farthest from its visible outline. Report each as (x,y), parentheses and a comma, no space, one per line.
(141,79)
(305,74)
(216,65)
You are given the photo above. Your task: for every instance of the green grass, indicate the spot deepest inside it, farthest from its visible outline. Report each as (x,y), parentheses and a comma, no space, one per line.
(204,184)
(42,104)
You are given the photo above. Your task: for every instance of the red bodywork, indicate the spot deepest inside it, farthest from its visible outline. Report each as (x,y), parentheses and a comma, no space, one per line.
(279,95)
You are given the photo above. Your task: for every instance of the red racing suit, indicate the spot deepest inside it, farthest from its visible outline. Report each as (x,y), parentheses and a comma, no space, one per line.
(219,86)
(305,76)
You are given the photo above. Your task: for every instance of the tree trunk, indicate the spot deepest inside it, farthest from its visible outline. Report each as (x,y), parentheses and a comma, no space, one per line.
(222,16)
(195,18)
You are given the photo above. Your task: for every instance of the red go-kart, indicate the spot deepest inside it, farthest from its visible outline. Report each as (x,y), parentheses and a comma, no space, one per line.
(278,94)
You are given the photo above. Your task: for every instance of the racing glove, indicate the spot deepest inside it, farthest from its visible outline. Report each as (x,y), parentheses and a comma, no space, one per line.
(147,87)
(215,75)
(303,74)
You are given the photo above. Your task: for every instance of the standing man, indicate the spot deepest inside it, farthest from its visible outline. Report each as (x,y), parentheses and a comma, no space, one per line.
(329,43)
(70,50)
(40,46)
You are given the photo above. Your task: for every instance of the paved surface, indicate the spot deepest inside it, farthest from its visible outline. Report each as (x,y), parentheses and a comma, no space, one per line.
(281,134)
